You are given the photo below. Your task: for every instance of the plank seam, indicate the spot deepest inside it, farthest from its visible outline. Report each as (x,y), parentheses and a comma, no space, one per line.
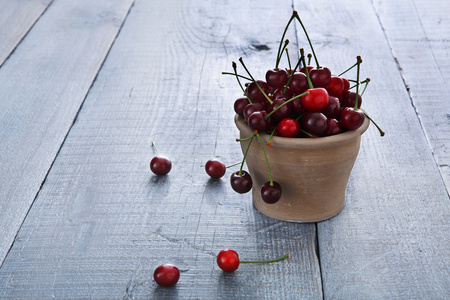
(68,131)
(318,258)
(25,35)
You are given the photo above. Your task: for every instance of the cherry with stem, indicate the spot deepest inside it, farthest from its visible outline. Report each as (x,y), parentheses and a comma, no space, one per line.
(253,79)
(160,165)
(241,181)
(228,260)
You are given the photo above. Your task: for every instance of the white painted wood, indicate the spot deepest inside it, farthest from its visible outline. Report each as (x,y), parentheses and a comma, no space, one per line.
(16,19)
(42,86)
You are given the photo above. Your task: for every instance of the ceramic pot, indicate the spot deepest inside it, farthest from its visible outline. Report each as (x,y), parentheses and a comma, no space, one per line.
(313,172)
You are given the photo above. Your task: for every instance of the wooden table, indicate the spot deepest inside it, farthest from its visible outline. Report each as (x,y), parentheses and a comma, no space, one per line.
(86,86)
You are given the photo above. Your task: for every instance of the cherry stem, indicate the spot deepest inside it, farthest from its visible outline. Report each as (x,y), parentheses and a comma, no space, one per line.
(237,78)
(286,102)
(234,74)
(365,87)
(358,63)
(291,75)
(230,166)
(302,57)
(286,42)
(309,58)
(269,142)
(246,151)
(353,86)
(264,261)
(306,132)
(294,13)
(253,79)
(154,146)
(309,41)
(379,129)
(289,59)
(265,155)
(348,70)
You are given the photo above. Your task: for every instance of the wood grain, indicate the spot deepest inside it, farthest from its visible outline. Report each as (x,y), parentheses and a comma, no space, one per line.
(102,223)
(391,239)
(16,19)
(42,87)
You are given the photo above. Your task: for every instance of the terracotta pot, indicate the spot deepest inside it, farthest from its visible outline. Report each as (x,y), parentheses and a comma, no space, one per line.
(313,172)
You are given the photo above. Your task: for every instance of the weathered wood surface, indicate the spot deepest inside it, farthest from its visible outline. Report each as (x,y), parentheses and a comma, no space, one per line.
(42,85)
(16,19)
(101,223)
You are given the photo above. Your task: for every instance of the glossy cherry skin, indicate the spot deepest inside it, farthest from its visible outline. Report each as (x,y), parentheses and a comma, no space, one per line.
(334,127)
(288,127)
(271,194)
(302,69)
(333,108)
(241,183)
(351,118)
(279,93)
(335,87)
(299,83)
(315,122)
(215,168)
(282,110)
(349,99)
(320,76)
(277,78)
(346,85)
(228,260)
(255,94)
(166,275)
(239,105)
(251,108)
(316,100)
(160,165)
(259,121)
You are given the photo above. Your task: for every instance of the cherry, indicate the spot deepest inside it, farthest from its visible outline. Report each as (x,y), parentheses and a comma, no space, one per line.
(215,168)
(239,105)
(277,78)
(333,108)
(299,83)
(320,76)
(259,121)
(251,108)
(346,85)
(241,182)
(160,165)
(349,100)
(284,93)
(315,122)
(334,127)
(309,68)
(297,106)
(228,260)
(352,118)
(254,93)
(280,110)
(166,275)
(316,100)
(288,127)
(271,192)
(335,87)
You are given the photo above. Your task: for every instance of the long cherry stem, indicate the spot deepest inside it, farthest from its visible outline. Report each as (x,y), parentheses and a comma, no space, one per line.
(365,87)
(154,146)
(347,70)
(246,151)
(309,41)
(253,79)
(282,39)
(230,166)
(291,75)
(264,261)
(265,155)
(302,57)
(233,64)
(358,63)
(241,76)
(269,142)
(382,133)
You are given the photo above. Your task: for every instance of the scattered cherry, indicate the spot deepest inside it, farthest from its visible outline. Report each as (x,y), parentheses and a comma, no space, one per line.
(215,168)
(271,193)
(228,260)
(160,165)
(241,182)
(166,275)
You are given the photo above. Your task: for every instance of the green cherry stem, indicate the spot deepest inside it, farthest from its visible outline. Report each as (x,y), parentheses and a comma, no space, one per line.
(246,151)
(309,41)
(291,75)
(156,149)
(365,81)
(253,79)
(382,133)
(285,103)
(348,70)
(282,39)
(289,59)
(358,63)
(237,78)
(230,166)
(264,261)
(309,59)
(269,142)
(365,87)
(306,132)
(302,57)
(265,155)
(234,74)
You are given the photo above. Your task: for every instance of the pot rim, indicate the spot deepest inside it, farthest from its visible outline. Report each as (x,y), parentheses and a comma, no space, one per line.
(305,143)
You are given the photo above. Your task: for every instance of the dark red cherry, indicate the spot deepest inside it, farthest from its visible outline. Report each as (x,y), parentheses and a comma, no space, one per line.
(228,260)
(316,100)
(349,99)
(251,108)
(302,69)
(239,105)
(299,83)
(215,168)
(335,86)
(334,127)
(320,76)
(288,127)
(166,275)
(271,193)
(297,106)
(277,78)
(333,108)
(280,93)
(255,94)
(315,122)
(346,85)
(241,183)
(282,110)
(160,165)
(351,118)
(258,121)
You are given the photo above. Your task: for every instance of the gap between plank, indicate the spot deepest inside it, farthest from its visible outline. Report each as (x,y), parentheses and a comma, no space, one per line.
(71,126)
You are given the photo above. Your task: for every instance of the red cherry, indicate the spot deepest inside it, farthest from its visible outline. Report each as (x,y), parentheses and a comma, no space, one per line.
(215,168)
(166,275)
(316,100)
(277,78)
(239,105)
(258,121)
(346,85)
(282,110)
(254,93)
(299,83)
(334,127)
(335,86)
(271,193)
(228,260)
(315,122)
(349,99)
(351,118)
(333,108)
(279,93)
(320,76)
(160,165)
(288,127)
(241,183)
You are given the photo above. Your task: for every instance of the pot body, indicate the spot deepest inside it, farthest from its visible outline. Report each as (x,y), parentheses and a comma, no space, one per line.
(313,172)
